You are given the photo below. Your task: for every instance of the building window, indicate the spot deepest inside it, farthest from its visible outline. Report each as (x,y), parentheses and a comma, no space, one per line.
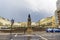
(58,11)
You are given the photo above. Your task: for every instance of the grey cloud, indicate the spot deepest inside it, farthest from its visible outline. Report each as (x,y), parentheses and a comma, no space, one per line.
(19,10)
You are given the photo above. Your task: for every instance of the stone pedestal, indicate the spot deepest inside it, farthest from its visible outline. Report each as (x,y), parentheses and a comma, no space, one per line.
(29,30)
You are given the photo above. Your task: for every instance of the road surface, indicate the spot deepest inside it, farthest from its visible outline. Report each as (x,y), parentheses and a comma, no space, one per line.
(36,36)
(20,37)
(49,36)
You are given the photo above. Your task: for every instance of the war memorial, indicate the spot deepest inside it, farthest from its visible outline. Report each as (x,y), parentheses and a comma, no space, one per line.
(31,33)
(27,34)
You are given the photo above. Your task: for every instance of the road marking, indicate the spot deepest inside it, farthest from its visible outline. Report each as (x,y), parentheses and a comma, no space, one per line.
(42,37)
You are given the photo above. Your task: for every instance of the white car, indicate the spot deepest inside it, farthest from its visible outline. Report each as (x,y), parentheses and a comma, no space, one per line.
(49,30)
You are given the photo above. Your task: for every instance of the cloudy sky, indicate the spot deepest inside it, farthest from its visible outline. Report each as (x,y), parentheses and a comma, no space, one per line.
(19,9)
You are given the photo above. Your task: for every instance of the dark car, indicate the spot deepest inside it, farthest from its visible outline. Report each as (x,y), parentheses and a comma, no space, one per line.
(56,30)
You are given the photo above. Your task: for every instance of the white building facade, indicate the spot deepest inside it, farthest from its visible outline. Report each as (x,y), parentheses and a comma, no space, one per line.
(57,13)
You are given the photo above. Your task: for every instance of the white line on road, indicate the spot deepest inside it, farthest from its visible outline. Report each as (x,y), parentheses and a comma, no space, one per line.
(42,37)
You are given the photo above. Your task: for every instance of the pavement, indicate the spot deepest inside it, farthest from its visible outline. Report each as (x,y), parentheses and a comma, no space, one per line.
(35,36)
(49,36)
(19,36)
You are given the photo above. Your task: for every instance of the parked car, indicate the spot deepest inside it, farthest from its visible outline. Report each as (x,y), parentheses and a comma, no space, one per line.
(49,30)
(53,30)
(56,30)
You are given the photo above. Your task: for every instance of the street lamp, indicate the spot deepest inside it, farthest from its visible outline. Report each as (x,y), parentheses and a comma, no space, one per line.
(12,22)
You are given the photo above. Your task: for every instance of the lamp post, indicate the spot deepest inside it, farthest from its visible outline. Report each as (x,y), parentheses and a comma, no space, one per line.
(12,22)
